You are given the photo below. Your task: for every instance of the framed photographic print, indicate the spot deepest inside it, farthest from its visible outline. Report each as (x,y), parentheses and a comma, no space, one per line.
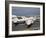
(24,18)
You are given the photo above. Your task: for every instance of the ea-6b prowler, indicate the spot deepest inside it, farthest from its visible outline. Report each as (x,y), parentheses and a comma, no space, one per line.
(22,19)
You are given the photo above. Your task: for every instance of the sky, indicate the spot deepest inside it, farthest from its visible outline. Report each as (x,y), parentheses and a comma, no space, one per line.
(25,11)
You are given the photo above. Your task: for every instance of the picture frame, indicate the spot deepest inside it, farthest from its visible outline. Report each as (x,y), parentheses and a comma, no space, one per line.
(10,5)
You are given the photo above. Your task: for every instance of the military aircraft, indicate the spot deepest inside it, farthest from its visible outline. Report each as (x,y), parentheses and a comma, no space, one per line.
(22,19)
